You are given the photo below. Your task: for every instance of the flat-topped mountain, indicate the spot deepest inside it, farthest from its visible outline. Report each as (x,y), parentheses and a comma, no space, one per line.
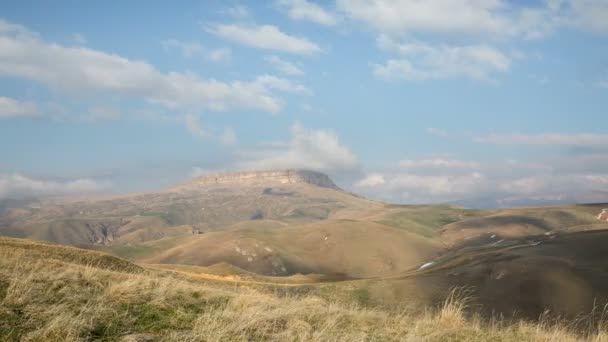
(203,204)
(263,178)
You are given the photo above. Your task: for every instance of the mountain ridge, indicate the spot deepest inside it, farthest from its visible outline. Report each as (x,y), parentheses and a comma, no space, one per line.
(287,176)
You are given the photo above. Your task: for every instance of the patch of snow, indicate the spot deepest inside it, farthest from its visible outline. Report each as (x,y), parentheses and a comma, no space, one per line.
(430,263)
(497,242)
(493,236)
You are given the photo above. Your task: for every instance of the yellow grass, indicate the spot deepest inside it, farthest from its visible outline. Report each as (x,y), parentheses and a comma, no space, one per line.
(53,299)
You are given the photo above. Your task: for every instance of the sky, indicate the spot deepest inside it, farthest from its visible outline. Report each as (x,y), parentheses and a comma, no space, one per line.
(482,103)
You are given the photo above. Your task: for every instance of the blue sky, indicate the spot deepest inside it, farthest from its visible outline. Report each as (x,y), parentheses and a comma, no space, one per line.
(466,101)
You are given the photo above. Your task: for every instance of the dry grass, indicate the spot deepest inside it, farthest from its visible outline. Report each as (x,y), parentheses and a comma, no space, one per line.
(52,299)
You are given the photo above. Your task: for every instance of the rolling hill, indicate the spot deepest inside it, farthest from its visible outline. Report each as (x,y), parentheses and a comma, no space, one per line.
(281,223)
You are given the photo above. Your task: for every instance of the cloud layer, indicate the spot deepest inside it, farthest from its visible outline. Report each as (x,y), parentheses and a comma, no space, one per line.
(17,186)
(319,150)
(421,61)
(79,69)
(488,184)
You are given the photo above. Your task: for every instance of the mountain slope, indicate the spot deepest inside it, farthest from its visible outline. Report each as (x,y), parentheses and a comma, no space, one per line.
(205,204)
(351,248)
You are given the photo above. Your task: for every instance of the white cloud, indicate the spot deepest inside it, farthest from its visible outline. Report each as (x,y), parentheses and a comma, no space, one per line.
(19,186)
(226,137)
(273,82)
(238,12)
(435,180)
(319,150)
(479,17)
(437,132)
(421,61)
(589,14)
(194,49)
(81,69)
(266,37)
(284,66)
(17,29)
(11,108)
(554,139)
(309,11)
(371,180)
(223,55)
(79,38)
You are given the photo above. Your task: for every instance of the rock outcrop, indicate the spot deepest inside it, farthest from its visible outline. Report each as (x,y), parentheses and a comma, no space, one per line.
(603,216)
(266,177)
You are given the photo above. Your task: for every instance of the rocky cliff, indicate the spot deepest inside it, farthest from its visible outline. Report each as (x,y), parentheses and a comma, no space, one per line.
(267,178)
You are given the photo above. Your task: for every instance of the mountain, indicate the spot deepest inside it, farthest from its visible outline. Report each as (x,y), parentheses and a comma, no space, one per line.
(203,204)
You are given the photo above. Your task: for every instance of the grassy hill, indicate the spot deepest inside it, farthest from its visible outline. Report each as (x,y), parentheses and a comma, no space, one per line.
(352,248)
(67,294)
(518,222)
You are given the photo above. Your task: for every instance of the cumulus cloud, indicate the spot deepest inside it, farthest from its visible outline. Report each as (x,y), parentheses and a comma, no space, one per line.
(552,139)
(308,11)
(16,186)
(266,37)
(11,108)
(421,61)
(195,126)
(478,17)
(194,49)
(283,66)
(319,150)
(80,69)
(487,184)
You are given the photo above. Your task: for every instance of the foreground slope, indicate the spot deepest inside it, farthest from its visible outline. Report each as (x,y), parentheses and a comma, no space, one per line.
(54,298)
(563,275)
